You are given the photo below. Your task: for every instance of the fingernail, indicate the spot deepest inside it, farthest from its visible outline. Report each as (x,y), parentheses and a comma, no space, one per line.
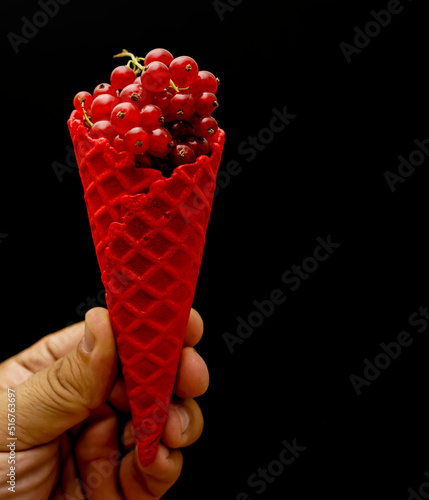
(88,341)
(184,417)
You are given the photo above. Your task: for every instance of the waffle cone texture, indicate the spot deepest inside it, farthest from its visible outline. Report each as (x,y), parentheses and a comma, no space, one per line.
(149,234)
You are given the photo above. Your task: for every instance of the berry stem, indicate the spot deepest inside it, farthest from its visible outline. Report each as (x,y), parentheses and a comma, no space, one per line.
(135,61)
(86,119)
(175,87)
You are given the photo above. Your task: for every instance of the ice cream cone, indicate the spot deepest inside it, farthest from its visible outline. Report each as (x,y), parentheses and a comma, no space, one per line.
(149,234)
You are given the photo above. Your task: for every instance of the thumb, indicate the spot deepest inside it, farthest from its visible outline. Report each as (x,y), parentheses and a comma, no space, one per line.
(64,394)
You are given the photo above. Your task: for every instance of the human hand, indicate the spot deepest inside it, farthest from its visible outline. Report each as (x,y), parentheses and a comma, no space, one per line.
(69,398)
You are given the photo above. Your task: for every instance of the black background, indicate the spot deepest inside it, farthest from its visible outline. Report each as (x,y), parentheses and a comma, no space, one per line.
(322,176)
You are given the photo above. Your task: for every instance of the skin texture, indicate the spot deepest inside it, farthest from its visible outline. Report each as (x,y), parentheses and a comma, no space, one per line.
(72,418)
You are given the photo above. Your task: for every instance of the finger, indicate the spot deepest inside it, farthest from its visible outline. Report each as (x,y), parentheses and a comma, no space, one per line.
(151,482)
(192,376)
(63,394)
(69,483)
(98,457)
(194,329)
(128,437)
(39,356)
(184,424)
(119,398)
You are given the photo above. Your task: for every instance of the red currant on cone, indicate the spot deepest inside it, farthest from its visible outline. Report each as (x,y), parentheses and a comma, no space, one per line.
(118,142)
(124,116)
(155,77)
(161,55)
(183,71)
(121,77)
(136,140)
(182,106)
(102,128)
(163,100)
(181,130)
(151,117)
(199,146)
(160,142)
(135,94)
(205,126)
(206,82)
(104,88)
(82,97)
(181,154)
(144,160)
(206,104)
(102,107)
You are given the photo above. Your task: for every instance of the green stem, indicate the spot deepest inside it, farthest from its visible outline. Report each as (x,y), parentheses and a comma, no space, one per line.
(173,86)
(134,60)
(86,119)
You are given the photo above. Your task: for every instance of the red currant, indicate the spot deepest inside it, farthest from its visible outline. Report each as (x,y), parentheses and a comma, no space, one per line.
(161,55)
(124,116)
(155,77)
(102,107)
(102,128)
(163,100)
(183,71)
(181,154)
(121,77)
(160,142)
(182,106)
(144,160)
(84,97)
(151,117)
(182,130)
(136,140)
(104,88)
(206,82)
(206,104)
(136,94)
(118,142)
(199,145)
(205,126)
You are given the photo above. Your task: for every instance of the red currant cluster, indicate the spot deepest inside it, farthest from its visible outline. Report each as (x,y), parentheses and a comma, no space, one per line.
(158,108)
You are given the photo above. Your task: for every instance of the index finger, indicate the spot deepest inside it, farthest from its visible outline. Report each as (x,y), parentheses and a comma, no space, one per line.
(194,330)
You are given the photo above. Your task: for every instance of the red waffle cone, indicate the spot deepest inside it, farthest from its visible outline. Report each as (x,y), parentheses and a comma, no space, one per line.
(149,234)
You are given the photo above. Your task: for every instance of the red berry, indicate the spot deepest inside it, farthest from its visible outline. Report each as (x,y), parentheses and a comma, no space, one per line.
(183,71)
(163,100)
(136,140)
(182,106)
(102,128)
(121,77)
(182,130)
(155,77)
(205,126)
(118,142)
(144,160)
(206,82)
(136,94)
(151,117)
(104,88)
(160,142)
(102,107)
(161,55)
(199,146)
(84,97)
(124,117)
(206,104)
(181,154)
